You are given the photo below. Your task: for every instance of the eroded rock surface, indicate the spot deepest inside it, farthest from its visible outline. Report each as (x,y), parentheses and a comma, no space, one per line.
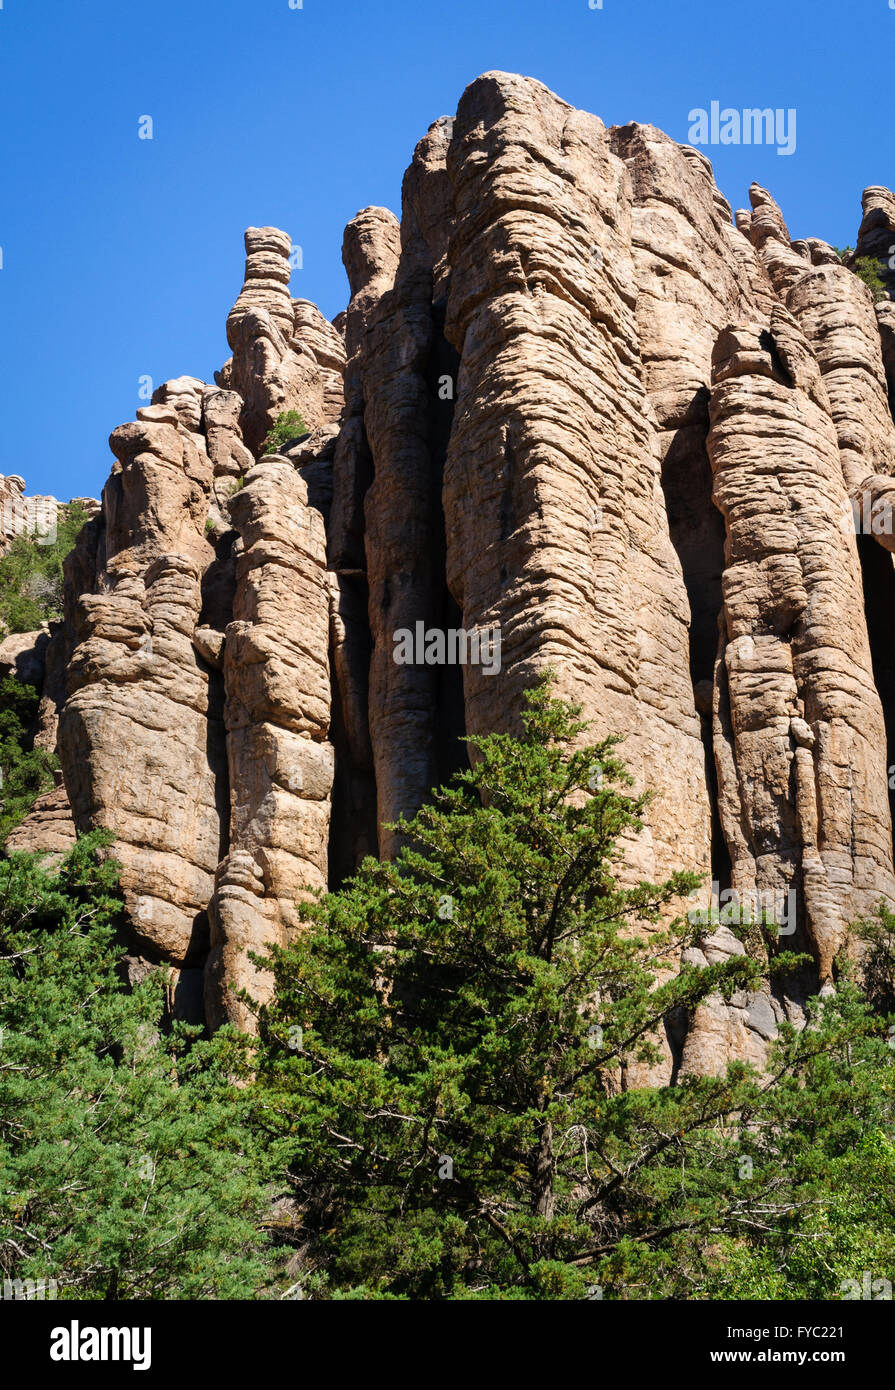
(836,313)
(575,407)
(137,738)
(798,722)
(555,520)
(277,712)
(286,355)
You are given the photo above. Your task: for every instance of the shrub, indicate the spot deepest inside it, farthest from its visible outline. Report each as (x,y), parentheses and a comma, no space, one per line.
(31,574)
(867,268)
(289,425)
(25,771)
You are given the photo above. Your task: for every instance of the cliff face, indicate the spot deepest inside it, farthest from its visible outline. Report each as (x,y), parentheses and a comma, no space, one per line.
(576,409)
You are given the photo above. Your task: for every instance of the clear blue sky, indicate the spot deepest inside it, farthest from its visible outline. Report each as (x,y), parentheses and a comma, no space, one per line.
(121,257)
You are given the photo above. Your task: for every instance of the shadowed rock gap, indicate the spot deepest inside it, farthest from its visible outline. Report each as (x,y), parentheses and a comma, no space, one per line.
(450,723)
(878,576)
(353,823)
(696,528)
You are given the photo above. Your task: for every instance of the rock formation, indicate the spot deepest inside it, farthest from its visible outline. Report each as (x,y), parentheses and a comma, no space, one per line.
(286,355)
(799,732)
(22,515)
(140,737)
(574,405)
(277,711)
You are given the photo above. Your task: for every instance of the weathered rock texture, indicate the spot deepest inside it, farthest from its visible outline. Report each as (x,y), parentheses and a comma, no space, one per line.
(286,355)
(22,515)
(48,830)
(276,680)
(32,515)
(556,526)
(799,726)
(836,313)
(140,745)
(572,401)
(404,529)
(876,235)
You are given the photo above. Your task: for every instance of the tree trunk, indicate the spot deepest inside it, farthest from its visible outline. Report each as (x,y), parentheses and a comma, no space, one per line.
(544,1196)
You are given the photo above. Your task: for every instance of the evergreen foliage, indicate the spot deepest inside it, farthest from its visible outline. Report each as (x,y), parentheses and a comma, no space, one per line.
(449,1096)
(126,1170)
(289,425)
(442,1068)
(25,771)
(31,574)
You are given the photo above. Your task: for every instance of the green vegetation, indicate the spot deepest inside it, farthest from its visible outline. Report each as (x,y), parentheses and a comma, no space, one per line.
(867,268)
(30,597)
(441,1070)
(877,973)
(31,574)
(25,772)
(448,1097)
(125,1167)
(289,425)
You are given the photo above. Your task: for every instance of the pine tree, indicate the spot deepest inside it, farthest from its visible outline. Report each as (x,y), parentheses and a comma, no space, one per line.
(442,1065)
(126,1168)
(25,771)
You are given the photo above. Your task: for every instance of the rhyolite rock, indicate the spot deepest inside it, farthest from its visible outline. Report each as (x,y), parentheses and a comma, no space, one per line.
(403,524)
(557,533)
(48,829)
(799,727)
(575,406)
(876,234)
(836,312)
(140,747)
(277,712)
(286,355)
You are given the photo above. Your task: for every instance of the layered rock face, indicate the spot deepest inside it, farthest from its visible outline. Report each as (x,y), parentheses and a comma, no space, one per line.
(277,711)
(140,746)
(798,721)
(556,526)
(286,355)
(22,515)
(399,344)
(577,414)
